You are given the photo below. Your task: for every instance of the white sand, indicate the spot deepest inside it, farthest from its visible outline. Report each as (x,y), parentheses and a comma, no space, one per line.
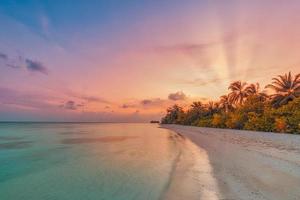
(249,165)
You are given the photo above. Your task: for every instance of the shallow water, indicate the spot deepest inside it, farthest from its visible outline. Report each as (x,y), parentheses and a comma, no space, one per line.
(100,161)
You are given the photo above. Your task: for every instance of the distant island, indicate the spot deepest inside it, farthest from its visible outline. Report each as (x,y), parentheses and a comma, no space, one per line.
(154,122)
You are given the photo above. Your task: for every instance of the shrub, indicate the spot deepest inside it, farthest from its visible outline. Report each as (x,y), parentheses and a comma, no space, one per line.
(260,122)
(281,124)
(253,103)
(218,121)
(236,120)
(205,122)
(290,114)
(195,123)
(255,122)
(294,122)
(255,113)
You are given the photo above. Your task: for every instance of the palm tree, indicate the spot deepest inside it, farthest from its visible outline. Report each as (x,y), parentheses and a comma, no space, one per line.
(225,103)
(173,114)
(210,106)
(197,105)
(217,106)
(196,111)
(286,88)
(254,89)
(197,108)
(238,92)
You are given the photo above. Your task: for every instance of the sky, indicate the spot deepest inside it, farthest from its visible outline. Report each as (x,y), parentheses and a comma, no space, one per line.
(127,61)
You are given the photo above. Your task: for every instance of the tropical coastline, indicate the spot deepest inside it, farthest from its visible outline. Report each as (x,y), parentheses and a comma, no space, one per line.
(247,107)
(149,100)
(249,164)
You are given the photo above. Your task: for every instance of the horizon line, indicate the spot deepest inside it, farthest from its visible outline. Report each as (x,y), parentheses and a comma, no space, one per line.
(79,122)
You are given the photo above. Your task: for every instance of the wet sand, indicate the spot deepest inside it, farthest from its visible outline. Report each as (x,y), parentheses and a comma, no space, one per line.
(248,164)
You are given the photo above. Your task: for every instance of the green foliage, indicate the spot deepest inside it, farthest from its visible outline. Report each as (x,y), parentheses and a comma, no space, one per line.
(236,120)
(218,120)
(290,114)
(259,122)
(196,112)
(244,108)
(286,87)
(253,103)
(204,122)
(281,124)
(174,115)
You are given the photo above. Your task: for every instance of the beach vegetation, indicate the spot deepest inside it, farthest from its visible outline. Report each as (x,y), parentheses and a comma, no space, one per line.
(286,88)
(247,107)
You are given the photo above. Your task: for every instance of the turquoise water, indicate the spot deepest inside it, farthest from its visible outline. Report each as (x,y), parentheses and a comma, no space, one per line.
(88,161)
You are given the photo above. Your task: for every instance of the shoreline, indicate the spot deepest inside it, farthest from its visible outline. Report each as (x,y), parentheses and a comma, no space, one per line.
(249,164)
(191,174)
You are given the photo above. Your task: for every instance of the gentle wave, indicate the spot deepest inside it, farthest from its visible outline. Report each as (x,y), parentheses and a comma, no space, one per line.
(101,161)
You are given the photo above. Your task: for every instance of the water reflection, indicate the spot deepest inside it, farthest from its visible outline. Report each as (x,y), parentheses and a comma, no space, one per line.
(101,161)
(9,138)
(73,132)
(95,140)
(15,145)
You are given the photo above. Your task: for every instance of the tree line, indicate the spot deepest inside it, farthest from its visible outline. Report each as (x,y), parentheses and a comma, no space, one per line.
(247,107)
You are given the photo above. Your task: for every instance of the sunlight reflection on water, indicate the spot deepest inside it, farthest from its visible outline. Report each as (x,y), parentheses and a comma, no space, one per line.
(101,161)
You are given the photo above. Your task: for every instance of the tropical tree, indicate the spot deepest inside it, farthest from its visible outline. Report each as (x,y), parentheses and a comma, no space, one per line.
(197,105)
(195,112)
(238,92)
(247,107)
(174,114)
(212,107)
(286,88)
(253,89)
(225,103)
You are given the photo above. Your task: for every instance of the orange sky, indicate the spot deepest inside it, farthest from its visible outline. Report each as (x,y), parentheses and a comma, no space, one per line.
(65,62)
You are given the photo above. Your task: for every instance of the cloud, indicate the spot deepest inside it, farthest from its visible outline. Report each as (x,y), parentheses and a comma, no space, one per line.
(152,102)
(227,38)
(188,47)
(146,101)
(94,99)
(71,105)
(127,105)
(12,63)
(12,66)
(196,47)
(177,96)
(88,98)
(35,66)
(20,62)
(156,104)
(3,56)
(23,99)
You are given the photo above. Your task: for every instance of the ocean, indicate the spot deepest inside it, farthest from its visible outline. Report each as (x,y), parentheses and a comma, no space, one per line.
(89,161)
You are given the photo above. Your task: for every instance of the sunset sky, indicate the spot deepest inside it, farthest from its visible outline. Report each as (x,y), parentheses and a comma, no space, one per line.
(127,60)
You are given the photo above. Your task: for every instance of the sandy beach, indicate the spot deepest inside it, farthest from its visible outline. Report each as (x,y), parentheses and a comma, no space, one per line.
(247,164)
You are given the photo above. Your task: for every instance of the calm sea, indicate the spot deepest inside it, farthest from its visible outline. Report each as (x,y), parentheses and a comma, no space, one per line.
(82,161)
